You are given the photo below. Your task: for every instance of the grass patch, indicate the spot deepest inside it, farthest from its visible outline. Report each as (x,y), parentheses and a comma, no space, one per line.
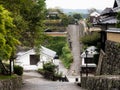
(2,77)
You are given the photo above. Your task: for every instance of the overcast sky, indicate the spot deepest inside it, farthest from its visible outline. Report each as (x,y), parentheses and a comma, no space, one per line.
(80,4)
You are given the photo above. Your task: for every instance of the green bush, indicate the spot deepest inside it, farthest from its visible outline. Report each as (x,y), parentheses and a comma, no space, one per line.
(49,67)
(91,39)
(66,57)
(49,71)
(18,70)
(41,71)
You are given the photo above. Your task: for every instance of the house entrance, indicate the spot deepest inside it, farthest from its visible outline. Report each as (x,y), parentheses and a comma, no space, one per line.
(34,59)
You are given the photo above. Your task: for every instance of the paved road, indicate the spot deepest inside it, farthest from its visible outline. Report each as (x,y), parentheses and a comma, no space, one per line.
(33,81)
(74,34)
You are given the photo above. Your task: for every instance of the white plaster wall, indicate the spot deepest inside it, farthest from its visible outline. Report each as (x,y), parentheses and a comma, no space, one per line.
(89,64)
(24,61)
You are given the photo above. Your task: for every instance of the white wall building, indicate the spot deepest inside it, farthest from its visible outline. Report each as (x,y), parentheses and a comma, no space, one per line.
(91,52)
(94,16)
(30,61)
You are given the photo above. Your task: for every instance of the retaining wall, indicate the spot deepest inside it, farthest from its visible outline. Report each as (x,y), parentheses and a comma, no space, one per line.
(101,82)
(111,63)
(11,84)
(108,70)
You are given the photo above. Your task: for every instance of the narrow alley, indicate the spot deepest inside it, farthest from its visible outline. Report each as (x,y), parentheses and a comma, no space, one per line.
(74,34)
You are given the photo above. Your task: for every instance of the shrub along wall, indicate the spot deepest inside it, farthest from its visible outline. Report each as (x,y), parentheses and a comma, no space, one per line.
(11,84)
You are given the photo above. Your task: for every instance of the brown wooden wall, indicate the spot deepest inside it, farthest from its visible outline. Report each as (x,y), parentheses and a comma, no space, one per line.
(113,36)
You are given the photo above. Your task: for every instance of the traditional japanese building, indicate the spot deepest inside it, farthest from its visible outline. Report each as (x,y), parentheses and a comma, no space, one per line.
(108,20)
(94,16)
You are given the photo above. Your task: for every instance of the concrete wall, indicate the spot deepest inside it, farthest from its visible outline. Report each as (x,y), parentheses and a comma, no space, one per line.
(11,84)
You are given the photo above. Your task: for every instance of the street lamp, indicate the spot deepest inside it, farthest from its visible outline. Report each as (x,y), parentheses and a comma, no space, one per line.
(86,52)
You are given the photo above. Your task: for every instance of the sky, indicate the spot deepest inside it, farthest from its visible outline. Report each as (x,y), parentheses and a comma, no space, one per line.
(79,4)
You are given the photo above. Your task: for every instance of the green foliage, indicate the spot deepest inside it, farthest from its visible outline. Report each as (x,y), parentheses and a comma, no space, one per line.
(77,16)
(71,19)
(56,18)
(28,17)
(118,23)
(7,76)
(41,71)
(52,22)
(66,57)
(91,39)
(118,45)
(49,67)
(18,70)
(56,44)
(65,20)
(49,71)
(8,41)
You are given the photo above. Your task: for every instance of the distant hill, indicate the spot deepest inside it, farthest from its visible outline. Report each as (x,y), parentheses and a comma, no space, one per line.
(83,12)
(68,11)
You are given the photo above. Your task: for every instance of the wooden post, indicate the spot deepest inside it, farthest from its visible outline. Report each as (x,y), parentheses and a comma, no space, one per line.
(10,66)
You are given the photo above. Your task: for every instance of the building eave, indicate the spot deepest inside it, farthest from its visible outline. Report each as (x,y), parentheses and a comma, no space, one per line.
(113,30)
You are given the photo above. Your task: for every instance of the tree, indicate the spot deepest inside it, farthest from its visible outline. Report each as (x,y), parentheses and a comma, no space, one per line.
(64,20)
(71,19)
(28,17)
(56,44)
(77,16)
(118,23)
(8,42)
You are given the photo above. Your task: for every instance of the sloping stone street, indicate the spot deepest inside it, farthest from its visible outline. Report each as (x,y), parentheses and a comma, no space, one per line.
(74,34)
(34,81)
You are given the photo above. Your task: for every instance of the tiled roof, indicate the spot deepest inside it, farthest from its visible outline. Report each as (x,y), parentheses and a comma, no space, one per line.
(118,3)
(109,20)
(95,14)
(106,11)
(116,6)
(48,51)
(43,50)
(117,9)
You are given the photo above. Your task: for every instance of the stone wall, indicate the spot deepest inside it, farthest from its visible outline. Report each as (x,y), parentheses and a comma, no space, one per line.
(11,84)
(101,82)
(111,64)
